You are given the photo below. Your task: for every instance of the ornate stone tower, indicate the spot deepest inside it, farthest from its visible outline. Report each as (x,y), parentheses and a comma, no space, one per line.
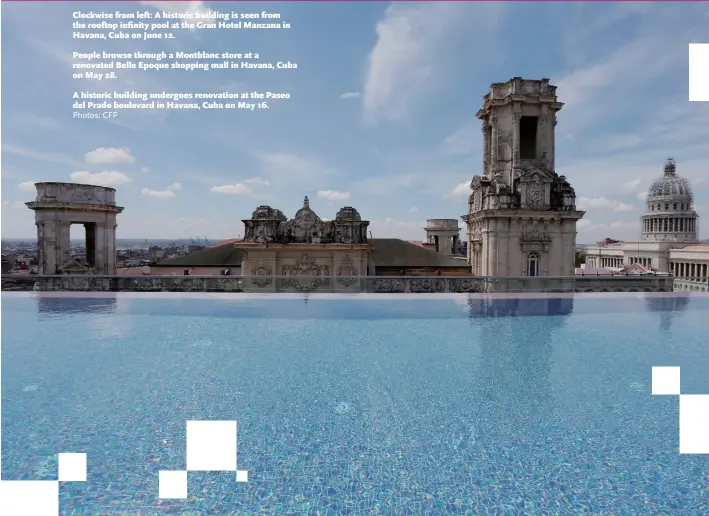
(59,205)
(521,214)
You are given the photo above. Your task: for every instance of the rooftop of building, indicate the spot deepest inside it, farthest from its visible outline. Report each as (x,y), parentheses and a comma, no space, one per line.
(386,252)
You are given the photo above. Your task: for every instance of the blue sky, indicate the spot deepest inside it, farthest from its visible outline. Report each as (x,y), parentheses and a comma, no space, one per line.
(381,115)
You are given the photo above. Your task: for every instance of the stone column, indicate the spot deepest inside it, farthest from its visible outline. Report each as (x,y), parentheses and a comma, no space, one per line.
(492,256)
(111,249)
(47,247)
(493,146)
(542,133)
(552,143)
(486,149)
(515,140)
(63,243)
(101,248)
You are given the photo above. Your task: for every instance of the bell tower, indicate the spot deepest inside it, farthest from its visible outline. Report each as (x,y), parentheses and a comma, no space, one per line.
(521,214)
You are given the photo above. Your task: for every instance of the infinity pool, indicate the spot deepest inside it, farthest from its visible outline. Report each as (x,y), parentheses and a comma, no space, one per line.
(416,405)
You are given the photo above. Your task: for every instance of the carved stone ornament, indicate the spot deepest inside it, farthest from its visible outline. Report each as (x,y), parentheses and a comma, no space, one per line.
(347,272)
(535,235)
(303,274)
(535,196)
(262,271)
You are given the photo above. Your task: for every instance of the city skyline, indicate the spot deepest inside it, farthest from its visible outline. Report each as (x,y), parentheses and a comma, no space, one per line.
(382,116)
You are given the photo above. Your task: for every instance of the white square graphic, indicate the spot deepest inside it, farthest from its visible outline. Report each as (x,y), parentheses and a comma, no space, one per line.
(172,484)
(72,467)
(694,424)
(242,476)
(665,381)
(699,72)
(23,497)
(211,445)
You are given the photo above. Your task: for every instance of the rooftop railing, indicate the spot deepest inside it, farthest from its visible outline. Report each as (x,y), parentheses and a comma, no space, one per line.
(342,284)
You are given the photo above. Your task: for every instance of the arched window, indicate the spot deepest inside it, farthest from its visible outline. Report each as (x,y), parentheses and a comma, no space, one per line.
(533,262)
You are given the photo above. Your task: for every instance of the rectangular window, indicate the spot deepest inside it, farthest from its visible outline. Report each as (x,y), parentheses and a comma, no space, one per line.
(528,137)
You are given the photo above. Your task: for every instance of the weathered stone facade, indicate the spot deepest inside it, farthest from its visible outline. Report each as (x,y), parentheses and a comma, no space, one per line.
(521,214)
(270,225)
(59,205)
(306,253)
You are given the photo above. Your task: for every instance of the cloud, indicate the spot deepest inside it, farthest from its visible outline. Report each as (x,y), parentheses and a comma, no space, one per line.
(235,189)
(461,190)
(642,196)
(256,181)
(387,184)
(247,187)
(109,156)
(656,52)
(27,186)
(412,230)
(633,185)
(350,95)
(57,159)
(603,203)
(110,179)
(462,142)
(35,121)
(167,193)
(287,169)
(625,225)
(145,170)
(414,209)
(13,204)
(332,195)
(410,51)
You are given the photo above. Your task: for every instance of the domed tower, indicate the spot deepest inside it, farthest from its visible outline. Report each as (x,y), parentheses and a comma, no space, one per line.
(670,215)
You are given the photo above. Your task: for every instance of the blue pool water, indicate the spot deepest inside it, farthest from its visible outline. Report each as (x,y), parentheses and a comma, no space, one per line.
(385,405)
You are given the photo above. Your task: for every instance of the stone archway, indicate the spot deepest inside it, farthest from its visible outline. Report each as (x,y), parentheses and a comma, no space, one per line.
(58,206)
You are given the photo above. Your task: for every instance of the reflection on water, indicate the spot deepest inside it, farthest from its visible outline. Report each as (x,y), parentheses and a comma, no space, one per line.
(517,348)
(519,307)
(62,306)
(669,308)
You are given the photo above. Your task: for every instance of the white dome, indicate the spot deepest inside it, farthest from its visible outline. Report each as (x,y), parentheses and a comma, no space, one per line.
(670,187)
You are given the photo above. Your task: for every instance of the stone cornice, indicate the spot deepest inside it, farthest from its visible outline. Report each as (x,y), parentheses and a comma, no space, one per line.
(72,206)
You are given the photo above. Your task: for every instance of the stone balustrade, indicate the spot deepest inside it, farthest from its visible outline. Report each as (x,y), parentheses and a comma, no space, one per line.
(325,284)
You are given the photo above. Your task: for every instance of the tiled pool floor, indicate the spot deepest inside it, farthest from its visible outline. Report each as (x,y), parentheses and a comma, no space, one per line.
(359,406)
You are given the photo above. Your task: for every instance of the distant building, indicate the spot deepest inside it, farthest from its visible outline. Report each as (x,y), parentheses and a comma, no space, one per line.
(308,246)
(669,240)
